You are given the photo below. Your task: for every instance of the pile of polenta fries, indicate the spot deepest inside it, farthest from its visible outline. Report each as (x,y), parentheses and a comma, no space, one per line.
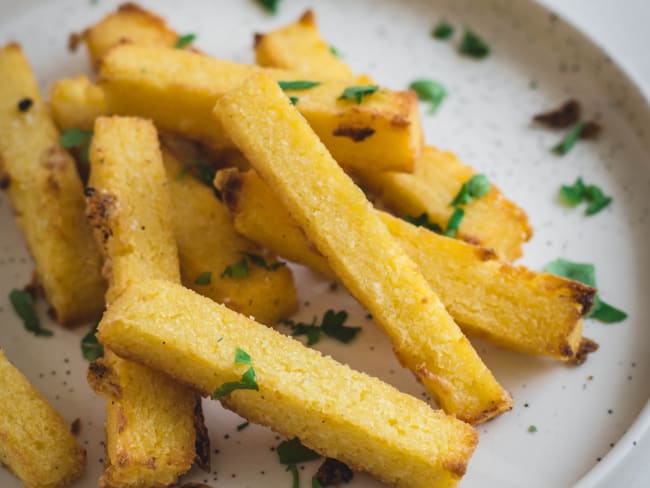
(137,230)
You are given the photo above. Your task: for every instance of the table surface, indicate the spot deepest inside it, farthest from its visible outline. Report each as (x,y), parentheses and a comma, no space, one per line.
(621,28)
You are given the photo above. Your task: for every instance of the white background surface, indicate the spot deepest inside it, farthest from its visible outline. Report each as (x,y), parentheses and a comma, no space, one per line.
(621,27)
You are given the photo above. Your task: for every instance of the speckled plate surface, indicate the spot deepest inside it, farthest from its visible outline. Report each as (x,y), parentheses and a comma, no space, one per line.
(588,418)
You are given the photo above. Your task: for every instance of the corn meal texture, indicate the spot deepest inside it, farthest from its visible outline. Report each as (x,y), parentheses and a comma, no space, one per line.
(150,431)
(300,47)
(177,89)
(493,221)
(208,243)
(535,313)
(339,220)
(337,411)
(47,196)
(35,441)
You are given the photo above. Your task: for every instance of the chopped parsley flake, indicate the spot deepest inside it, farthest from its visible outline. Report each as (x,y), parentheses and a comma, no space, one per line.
(25,104)
(578,192)
(295,477)
(293,452)
(586,273)
(236,270)
(204,278)
(477,186)
(242,357)
(298,84)
(247,382)
(258,260)
(23,304)
(532,428)
(293,100)
(423,221)
(271,6)
(334,51)
(358,92)
(91,348)
(75,137)
(472,45)
(454,222)
(184,40)
(429,91)
(202,171)
(442,31)
(569,140)
(242,426)
(332,325)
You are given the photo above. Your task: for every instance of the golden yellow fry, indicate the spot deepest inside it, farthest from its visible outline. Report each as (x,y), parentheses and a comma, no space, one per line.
(332,409)
(130,23)
(177,89)
(76,102)
(300,47)
(514,307)
(47,196)
(340,221)
(35,441)
(492,221)
(208,243)
(151,436)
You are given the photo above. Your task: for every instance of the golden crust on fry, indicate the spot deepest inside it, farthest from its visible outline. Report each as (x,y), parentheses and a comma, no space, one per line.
(338,412)
(35,441)
(47,196)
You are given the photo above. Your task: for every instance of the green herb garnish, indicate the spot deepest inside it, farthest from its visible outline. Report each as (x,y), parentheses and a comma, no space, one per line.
(23,304)
(242,357)
(204,278)
(298,84)
(242,426)
(270,6)
(236,270)
(332,325)
(91,349)
(454,222)
(293,100)
(293,452)
(358,92)
(532,428)
(442,31)
(472,45)
(429,91)
(295,477)
(247,382)
(423,221)
(579,192)
(477,186)
(75,137)
(334,51)
(586,273)
(258,260)
(569,140)
(184,40)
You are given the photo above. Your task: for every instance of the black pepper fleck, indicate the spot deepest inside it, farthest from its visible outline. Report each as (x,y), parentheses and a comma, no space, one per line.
(25,104)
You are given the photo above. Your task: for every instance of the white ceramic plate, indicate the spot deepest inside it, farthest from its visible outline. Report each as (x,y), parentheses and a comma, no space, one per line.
(486,120)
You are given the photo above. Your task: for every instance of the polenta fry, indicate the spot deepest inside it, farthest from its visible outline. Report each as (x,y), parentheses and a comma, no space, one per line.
(150,419)
(332,409)
(35,441)
(514,307)
(339,220)
(47,196)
